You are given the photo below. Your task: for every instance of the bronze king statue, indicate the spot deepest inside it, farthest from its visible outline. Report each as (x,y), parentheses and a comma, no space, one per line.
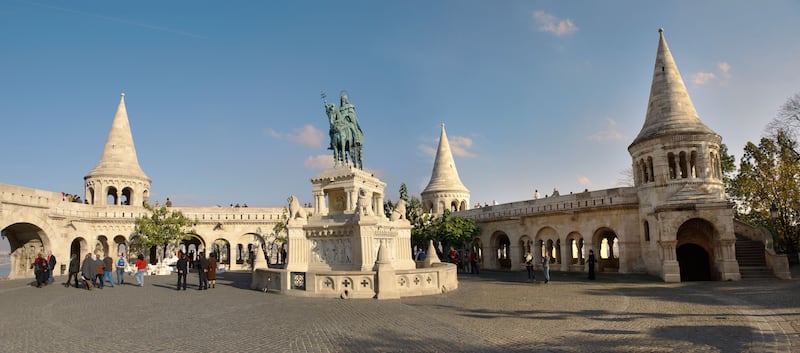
(345,132)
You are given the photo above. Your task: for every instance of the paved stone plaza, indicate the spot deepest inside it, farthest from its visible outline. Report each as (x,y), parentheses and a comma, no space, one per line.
(496,312)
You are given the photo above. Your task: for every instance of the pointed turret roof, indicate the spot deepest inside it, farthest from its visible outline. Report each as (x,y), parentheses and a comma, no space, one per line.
(119,154)
(669,110)
(444,176)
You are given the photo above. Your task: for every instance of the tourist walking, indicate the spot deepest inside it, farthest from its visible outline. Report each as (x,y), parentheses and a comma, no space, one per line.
(473,263)
(88,271)
(529,267)
(51,265)
(202,271)
(108,270)
(212,270)
(546,267)
(183,268)
(141,266)
(591,261)
(100,270)
(74,268)
(121,269)
(453,258)
(40,270)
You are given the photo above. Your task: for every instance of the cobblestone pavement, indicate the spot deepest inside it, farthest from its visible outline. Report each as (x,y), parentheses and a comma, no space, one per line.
(495,312)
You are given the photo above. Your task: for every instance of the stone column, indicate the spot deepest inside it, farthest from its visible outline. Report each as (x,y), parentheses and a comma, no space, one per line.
(513,256)
(565,262)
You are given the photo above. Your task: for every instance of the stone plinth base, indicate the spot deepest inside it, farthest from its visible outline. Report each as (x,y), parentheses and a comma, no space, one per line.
(439,278)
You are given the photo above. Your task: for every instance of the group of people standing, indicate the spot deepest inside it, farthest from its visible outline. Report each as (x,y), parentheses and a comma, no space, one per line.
(206,270)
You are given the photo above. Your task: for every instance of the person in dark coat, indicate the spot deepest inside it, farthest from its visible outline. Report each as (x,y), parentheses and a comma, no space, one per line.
(100,270)
(202,270)
(591,261)
(51,265)
(74,268)
(89,270)
(183,268)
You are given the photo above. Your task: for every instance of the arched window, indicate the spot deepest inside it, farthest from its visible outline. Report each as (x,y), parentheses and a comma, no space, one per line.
(650,169)
(645,174)
(684,168)
(672,167)
(646,231)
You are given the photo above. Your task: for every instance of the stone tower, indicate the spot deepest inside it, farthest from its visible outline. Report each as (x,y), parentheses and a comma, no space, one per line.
(118,179)
(445,190)
(686,222)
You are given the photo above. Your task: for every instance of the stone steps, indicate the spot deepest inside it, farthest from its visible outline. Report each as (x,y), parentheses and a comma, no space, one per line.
(752,263)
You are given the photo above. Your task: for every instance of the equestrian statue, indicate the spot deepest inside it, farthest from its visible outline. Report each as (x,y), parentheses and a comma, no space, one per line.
(345,132)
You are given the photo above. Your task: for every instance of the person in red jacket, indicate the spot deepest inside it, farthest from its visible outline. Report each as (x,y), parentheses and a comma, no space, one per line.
(141,266)
(41,270)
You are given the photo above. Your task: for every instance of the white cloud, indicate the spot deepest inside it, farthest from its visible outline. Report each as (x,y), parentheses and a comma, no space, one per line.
(724,73)
(584,180)
(322,161)
(701,78)
(307,135)
(725,69)
(551,24)
(610,133)
(460,145)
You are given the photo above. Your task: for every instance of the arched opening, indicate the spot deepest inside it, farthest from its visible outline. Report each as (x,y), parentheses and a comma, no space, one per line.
(525,246)
(145,196)
(127,194)
(192,246)
(111,196)
(575,249)
(606,240)
(25,242)
(440,207)
(222,249)
(78,247)
(121,245)
(502,245)
(427,206)
(90,195)
(683,166)
(672,166)
(646,231)
(101,246)
(694,250)
(694,262)
(454,206)
(462,206)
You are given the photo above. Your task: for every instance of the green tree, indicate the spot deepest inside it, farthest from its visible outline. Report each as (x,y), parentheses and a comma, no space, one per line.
(767,181)
(162,226)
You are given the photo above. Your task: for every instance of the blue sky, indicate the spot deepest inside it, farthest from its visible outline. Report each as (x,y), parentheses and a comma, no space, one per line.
(224,98)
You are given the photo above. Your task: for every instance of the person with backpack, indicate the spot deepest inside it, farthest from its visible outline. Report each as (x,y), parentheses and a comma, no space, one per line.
(121,269)
(40,270)
(100,272)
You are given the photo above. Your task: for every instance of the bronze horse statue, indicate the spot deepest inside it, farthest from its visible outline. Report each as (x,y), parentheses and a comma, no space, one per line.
(341,135)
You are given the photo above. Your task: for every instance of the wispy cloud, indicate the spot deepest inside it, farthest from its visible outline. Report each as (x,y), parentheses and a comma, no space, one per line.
(551,24)
(609,133)
(307,135)
(584,180)
(119,20)
(701,78)
(319,162)
(723,73)
(459,145)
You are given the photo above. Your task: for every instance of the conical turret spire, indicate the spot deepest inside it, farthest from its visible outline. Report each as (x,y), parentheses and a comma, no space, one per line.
(444,176)
(119,155)
(669,110)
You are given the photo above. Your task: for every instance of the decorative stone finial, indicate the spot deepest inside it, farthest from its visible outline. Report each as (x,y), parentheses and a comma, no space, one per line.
(122,94)
(661,30)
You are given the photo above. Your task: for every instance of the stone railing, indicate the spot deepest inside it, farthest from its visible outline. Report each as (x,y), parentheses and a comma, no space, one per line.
(778,263)
(618,197)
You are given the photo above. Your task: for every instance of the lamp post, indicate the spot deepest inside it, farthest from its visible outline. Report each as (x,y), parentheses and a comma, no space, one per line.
(774,214)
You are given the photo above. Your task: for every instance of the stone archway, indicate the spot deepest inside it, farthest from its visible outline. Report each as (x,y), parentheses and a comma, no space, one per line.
(606,241)
(25,241)
(694,262)
(501,245)
(694,250)
(222,249)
